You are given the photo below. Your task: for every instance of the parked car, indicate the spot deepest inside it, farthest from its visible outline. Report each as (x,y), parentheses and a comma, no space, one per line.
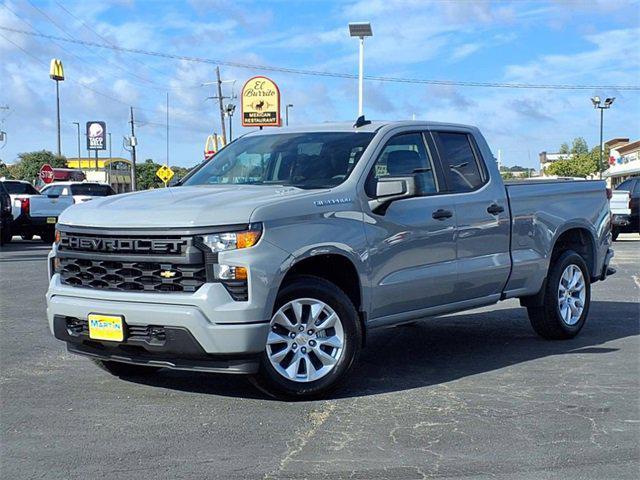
(80,191)
(18,189)
(277,257)
(6,217)
(625,207)
(38,214)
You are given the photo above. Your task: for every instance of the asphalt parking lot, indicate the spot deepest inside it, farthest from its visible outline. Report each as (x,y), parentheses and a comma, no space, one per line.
(474,395)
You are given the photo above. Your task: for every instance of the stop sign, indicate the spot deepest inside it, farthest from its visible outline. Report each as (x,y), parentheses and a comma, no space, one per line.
(46,173)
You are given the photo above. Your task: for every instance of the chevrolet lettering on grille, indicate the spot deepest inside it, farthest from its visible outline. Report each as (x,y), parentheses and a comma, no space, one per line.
(121,245)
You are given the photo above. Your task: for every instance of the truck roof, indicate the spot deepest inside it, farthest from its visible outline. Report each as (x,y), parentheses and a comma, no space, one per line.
(374,126)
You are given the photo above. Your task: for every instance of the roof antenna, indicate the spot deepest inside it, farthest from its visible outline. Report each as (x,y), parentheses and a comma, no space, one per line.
(361,122)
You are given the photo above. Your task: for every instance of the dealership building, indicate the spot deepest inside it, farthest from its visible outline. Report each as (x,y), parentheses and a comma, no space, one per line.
(624,160)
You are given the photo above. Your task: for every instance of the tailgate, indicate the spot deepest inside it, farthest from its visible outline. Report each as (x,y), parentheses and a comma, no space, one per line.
(619,204)
(45,206)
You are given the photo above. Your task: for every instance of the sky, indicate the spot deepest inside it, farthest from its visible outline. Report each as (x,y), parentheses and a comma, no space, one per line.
(570,42)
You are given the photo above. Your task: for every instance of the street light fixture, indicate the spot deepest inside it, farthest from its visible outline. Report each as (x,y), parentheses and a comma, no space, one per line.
(229,110)
(286,113)
(360,30)
(597,103)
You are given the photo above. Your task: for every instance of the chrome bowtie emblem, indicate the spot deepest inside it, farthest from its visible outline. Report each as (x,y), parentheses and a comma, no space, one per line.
(167,274)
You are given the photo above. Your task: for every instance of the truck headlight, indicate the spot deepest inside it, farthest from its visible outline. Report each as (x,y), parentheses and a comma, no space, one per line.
(219,242)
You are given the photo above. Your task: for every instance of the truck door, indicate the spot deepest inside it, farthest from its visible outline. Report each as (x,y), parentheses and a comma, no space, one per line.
(412,253)
(482,216)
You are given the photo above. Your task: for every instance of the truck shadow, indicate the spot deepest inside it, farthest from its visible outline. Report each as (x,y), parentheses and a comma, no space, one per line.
(440,350)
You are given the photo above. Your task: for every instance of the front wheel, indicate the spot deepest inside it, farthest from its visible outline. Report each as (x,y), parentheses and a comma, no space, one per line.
(315,337)
(567,298)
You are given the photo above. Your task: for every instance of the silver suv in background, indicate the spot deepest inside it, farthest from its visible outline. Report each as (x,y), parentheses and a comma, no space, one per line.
(278,256)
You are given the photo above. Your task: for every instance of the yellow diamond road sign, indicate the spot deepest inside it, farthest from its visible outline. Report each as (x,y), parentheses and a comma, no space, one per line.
(164,173)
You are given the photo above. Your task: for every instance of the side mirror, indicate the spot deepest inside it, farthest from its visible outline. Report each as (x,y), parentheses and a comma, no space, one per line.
(389,189)
(175,181)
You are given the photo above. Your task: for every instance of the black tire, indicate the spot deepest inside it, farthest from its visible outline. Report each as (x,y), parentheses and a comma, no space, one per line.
(546,320)
(614,234)
(5,236)
(48,237)
(120,369)
(27,236)
(305,286)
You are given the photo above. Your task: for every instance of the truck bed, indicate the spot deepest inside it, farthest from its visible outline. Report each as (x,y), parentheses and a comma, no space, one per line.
(540,212)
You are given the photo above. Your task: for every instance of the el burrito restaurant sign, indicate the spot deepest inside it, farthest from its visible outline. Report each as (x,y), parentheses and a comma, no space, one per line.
(260,103)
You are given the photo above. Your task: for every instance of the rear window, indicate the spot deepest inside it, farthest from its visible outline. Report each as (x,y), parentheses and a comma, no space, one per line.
(459,161)
(92,190)
(19,188)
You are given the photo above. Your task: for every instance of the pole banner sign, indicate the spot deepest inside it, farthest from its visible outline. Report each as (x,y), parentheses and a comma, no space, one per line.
(96,136)
(260,103)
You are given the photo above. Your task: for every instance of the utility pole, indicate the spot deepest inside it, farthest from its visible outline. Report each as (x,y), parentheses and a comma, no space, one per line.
(77,124)
(133,142)
(168,127)
(224,129)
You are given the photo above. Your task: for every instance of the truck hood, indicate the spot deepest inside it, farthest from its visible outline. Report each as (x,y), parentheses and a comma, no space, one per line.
(197,206)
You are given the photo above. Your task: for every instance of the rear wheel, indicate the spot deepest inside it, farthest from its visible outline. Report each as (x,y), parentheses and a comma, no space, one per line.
(48,236)
(614,234)
(567,298)
(120,369)
(314,339)
(5,235)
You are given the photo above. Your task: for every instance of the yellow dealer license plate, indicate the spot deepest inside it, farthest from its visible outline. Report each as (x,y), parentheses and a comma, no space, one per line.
(106,327)
(52,219)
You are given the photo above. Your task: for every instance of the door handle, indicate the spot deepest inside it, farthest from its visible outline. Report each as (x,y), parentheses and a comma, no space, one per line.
(441,214)
(495,209)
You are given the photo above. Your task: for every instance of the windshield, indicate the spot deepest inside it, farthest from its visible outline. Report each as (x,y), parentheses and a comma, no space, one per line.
(19,188)
(94,190)
(304,160)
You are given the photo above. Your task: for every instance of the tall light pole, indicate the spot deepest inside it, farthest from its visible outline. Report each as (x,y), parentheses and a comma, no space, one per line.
(77,124)
(229,110)
(360,30)
(56,72)
(286,113)
(602,106)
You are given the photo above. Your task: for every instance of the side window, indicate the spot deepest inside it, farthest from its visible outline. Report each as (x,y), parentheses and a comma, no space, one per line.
(55,190)
(459,161)
(636,189)
(403,155)
(626,185)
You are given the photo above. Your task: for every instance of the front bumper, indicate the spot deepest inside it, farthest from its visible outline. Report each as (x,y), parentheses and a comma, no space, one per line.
(219,325)
(156,346)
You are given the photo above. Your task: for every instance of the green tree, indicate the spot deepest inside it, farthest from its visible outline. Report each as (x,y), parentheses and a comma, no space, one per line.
(579,146)
(29,164)
(564,149)
(575,166)
(5,170)
(146,177)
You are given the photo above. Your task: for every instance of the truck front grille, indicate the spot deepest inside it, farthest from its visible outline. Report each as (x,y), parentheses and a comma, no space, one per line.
(131,276)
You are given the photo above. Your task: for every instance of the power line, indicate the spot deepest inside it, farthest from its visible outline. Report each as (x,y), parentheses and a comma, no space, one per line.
(297,71)
(97,92)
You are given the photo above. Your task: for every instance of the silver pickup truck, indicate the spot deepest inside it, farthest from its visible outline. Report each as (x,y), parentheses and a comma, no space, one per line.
(278,256)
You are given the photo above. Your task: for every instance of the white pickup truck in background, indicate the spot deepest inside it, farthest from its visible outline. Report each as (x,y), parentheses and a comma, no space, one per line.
(34,213)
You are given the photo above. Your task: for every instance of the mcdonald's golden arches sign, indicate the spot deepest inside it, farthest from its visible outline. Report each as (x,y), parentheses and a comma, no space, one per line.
(56,70)
(260,103)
